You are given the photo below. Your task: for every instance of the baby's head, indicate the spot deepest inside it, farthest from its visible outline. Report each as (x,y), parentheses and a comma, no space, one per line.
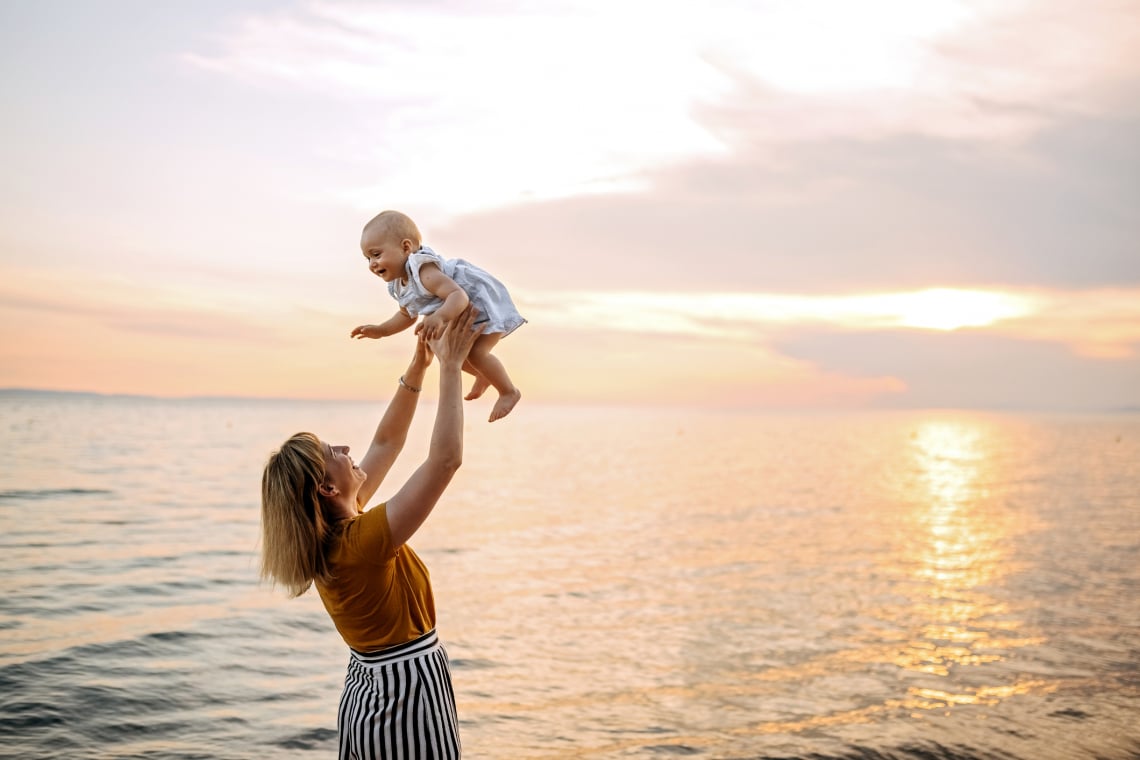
(387,241)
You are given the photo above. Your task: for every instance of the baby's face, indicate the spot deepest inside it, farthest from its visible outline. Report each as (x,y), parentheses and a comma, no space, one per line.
(386,254)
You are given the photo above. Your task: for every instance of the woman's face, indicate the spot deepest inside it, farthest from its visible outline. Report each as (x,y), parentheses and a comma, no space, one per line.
(341,471)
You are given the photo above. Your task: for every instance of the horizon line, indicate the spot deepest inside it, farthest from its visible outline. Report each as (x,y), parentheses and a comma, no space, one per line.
(16,391)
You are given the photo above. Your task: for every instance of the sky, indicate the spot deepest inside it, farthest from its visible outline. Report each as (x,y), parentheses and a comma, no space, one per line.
(776,204)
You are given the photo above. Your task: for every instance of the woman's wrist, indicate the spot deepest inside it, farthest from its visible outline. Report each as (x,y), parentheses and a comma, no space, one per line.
(415,373)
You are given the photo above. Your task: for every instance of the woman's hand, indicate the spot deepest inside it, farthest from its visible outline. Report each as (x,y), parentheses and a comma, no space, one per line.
(456,341)
(421,359)
(417,367)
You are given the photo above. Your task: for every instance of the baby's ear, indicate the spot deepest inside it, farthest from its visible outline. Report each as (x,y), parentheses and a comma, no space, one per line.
(409,246)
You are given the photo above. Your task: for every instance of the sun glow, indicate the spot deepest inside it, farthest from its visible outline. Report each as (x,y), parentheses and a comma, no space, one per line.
(946,308)
(738,314)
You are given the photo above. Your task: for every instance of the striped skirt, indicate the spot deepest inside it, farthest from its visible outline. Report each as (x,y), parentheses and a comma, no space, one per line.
(398,704)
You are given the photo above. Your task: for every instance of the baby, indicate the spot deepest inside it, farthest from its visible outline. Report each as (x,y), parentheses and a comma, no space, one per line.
(424,283)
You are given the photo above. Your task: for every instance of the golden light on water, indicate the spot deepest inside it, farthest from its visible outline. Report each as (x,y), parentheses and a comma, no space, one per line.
(985,695)
(961,550)
(941,614)
(956,552)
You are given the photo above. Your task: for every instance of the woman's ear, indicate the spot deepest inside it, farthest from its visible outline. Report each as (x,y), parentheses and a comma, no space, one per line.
(327,489)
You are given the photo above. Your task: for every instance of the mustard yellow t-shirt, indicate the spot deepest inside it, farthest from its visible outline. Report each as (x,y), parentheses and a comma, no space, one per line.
(380,595)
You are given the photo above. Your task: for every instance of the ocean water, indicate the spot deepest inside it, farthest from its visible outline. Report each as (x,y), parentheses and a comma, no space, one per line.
(611,583)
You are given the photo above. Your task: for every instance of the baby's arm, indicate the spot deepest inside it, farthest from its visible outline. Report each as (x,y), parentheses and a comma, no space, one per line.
(401,320)
(454,300)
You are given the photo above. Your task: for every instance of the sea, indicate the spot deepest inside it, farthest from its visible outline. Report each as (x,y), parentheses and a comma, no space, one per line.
(611,582)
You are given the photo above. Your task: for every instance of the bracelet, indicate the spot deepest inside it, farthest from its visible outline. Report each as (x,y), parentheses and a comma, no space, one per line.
(404,384)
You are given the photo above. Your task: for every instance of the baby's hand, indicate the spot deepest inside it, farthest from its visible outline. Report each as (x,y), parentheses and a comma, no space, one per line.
(367,331)
(432,327)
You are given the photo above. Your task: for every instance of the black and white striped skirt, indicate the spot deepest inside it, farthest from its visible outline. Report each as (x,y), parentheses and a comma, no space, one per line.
(398,704)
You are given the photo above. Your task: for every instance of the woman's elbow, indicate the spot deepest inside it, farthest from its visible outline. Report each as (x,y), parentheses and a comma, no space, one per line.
(451,464)
(393,441)
(447,463)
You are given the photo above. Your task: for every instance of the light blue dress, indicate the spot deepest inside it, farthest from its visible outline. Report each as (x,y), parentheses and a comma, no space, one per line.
(488,295)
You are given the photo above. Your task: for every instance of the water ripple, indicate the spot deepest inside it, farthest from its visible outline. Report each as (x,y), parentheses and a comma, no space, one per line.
(918,586)
(52,493)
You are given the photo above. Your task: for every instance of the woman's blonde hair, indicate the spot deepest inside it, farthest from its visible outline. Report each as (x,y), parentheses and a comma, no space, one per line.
(294,528)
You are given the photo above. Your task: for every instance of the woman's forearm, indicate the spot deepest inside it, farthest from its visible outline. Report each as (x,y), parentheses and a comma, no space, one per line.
(397,419)
(392,431)
(446,448)
(411,505)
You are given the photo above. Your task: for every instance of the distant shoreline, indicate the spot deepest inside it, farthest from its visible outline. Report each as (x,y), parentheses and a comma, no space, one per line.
(41,393)
(95,395)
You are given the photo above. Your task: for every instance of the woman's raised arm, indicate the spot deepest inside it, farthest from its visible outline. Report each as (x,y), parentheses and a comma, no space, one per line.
(411,505)
(392,432)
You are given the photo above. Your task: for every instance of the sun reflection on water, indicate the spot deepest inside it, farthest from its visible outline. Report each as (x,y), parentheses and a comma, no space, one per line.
(955,554)
(942,617)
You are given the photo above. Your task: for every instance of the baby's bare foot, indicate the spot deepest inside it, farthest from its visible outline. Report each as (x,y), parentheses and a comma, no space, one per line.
(505,404)
(477,389)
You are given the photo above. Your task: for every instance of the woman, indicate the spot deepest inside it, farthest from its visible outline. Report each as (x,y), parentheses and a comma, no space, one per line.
(398,699)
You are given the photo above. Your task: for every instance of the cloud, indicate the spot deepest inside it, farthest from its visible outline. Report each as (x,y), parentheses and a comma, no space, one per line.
(973,370)
(470,106)
(120,306)
(743,315)
(1001,154)
(676,193)
(517,98)
(1102,323)
(1059,209)
(90,332)
(592,366)
(975,70)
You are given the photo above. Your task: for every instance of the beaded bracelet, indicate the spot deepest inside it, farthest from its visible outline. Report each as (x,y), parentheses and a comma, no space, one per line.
(404,384)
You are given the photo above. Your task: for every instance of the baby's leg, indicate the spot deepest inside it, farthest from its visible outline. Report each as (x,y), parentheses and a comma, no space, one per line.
(492,370)
(481,384)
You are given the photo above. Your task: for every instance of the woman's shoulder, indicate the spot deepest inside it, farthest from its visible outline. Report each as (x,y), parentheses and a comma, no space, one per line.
(368,536)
